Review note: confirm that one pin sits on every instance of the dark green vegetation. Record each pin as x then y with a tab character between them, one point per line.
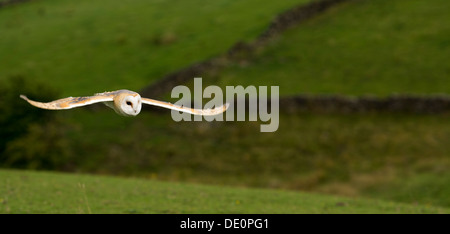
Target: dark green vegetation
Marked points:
59	193
360	47
29	137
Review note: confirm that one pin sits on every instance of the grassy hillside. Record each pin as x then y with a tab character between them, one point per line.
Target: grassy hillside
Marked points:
373	155
362	47
87	46
33	192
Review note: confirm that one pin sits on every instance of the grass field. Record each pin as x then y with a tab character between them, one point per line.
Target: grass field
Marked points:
38	192
86	47
374	47
401	157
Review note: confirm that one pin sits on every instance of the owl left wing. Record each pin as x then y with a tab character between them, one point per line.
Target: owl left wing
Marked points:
171	106
71	102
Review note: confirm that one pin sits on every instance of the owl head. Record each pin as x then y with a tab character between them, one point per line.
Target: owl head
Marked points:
128	104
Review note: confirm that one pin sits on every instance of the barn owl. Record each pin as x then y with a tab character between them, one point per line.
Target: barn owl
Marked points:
124	102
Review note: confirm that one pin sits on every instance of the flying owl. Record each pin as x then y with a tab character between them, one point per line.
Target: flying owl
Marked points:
124	102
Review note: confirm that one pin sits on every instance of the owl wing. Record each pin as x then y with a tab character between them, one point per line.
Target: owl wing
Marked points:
71	102
171	106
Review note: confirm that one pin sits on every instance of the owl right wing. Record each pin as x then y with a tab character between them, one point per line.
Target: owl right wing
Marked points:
171	106
71	102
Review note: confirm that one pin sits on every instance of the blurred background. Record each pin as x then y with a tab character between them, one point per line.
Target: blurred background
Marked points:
51	49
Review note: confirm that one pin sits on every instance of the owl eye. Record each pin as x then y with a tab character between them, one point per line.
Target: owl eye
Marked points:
129	103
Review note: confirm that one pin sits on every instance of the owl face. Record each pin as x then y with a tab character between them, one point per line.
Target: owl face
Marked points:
129	104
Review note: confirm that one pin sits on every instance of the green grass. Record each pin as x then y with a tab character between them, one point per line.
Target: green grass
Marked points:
431	189
39	192
351	155
377	47
86	47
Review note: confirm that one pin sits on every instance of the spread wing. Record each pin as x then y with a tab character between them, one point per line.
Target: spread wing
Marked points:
71	102
171	106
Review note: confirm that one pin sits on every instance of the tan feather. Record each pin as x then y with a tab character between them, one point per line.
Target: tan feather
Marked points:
70	102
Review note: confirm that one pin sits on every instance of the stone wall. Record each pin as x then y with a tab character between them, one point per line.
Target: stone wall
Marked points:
4	3
341	104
